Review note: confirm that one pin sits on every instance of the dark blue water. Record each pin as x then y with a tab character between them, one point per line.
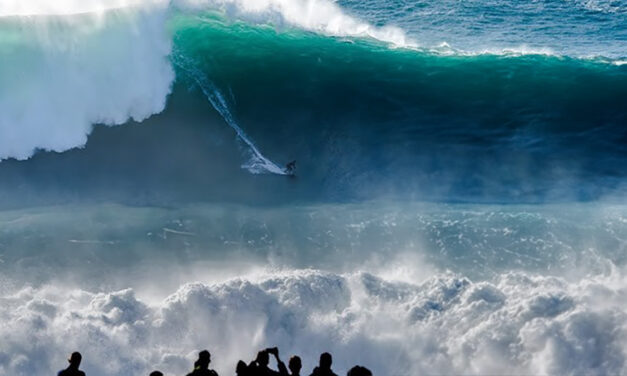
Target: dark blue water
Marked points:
571	28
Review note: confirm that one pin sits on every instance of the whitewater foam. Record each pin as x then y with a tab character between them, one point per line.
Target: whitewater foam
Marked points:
228	279
61	75
10	8
516	324
321	16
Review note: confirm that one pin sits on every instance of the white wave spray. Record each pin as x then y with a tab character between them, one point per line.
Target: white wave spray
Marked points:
385	302
515	324
59	75
320	16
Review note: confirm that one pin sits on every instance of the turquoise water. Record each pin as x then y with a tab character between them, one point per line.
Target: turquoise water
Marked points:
364	118
416	123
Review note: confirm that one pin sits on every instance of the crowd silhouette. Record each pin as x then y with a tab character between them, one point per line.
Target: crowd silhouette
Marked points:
257	367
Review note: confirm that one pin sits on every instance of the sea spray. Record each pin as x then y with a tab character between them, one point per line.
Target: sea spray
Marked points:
62	74
515	324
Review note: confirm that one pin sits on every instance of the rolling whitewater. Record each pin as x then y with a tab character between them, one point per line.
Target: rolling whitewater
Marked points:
457	207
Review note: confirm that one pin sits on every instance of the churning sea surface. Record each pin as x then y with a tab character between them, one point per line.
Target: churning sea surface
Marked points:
459	205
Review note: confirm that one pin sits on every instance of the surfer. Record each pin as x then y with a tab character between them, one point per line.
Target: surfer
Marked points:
290	168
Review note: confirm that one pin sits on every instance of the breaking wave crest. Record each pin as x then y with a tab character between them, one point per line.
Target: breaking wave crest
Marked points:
70	65
62	74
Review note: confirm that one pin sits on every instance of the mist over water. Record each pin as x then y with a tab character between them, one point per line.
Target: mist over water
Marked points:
458	205
379	283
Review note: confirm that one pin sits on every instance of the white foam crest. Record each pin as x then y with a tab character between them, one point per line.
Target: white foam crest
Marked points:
446	50
515	324
66	7
60	75
323	16
320	16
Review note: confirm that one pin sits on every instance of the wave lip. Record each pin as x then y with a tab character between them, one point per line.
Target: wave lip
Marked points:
320	16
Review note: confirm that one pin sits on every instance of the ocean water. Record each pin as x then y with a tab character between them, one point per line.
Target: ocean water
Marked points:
459	202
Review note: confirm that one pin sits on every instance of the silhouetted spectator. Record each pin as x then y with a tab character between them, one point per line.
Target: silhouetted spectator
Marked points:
359	371
259	366
156	373
201	366
72	369
241	369
294	365
324	368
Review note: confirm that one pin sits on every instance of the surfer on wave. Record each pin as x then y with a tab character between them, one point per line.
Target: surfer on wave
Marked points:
290	168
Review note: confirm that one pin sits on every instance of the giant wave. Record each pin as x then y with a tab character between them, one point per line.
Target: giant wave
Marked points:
69	68
363	117
75	64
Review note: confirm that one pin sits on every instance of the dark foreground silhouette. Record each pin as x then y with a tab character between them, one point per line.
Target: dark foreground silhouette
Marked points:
258	367
359	371
72	369
201	366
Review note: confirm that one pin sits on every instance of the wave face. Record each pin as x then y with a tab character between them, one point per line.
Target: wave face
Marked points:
365	110
403	121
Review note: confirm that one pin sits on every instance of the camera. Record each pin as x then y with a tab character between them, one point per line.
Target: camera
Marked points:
273	350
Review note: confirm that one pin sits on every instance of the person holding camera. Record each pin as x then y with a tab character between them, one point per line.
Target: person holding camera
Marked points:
259	366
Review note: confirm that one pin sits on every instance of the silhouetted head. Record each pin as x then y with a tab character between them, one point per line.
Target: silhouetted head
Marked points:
295	365
75	359
262	358
326	360
241	368
359	371
204	358
156	373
